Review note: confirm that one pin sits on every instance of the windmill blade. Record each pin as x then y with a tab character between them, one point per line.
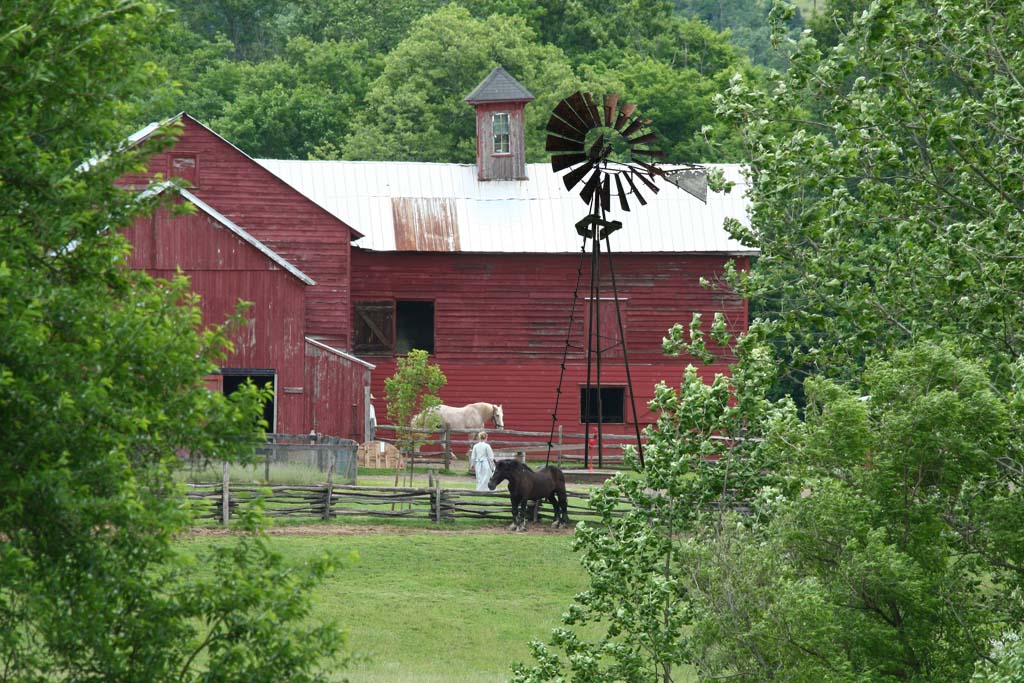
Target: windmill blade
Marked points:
649	153
606	194
572	177
560	162
649	183
578	105
643	139
591	186
623	203
597	150
633	188
635	125
555	143
611	104
566	130
568	109
651	170
624	113
595	115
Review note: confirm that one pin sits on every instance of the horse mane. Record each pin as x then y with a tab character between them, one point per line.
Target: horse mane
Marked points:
514	464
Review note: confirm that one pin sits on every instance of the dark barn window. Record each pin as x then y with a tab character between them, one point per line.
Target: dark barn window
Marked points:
613	404
414	326
236	377
392	327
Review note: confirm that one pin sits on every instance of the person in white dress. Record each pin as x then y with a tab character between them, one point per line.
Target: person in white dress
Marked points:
482	459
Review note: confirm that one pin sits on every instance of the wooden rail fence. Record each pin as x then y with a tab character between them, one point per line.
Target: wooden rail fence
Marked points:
567	448
327	501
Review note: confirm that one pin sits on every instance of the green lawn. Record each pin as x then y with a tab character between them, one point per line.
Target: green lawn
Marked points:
440	607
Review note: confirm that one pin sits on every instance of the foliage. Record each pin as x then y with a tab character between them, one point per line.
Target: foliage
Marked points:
870	541
101	387
411	391
368	80
699	462
747	24
893	213
415	110
289	103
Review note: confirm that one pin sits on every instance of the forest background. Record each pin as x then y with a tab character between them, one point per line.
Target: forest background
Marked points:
361	79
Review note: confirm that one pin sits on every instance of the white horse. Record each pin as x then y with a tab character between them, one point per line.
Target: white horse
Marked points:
472	416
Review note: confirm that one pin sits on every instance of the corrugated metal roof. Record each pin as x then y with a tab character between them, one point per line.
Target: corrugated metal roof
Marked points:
499	86
536	215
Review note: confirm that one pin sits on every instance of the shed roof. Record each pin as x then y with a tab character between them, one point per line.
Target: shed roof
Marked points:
414	206
233	227
499	86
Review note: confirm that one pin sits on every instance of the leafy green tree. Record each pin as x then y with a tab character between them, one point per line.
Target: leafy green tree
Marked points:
746	23
415	111
702	459
865	564
893	214
412	391
102	394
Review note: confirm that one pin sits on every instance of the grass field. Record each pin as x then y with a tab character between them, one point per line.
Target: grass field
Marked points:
429	607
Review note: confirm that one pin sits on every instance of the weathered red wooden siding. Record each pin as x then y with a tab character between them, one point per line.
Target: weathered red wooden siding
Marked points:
223	269
501	321
286	221
511	166
335	385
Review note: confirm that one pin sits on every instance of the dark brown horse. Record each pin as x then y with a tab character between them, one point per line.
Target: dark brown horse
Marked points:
525	485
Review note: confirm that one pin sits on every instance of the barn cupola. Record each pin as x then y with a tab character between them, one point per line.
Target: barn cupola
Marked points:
499	101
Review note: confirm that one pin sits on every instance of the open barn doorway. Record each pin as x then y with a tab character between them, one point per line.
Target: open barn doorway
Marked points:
236	377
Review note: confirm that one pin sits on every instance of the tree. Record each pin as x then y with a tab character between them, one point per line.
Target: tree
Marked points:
864	542
891	213
415	110
412	391
101	389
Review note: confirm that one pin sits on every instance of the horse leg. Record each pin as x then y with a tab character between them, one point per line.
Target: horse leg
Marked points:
522	515
557	510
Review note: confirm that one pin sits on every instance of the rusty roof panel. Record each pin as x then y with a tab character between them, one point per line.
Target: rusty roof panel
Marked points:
425	224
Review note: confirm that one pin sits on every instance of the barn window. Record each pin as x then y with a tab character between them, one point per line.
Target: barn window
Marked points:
414	326
613	404
392	327
236	377
186	167
501	130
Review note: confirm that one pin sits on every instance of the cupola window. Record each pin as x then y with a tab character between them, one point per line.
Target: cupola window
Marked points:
501	130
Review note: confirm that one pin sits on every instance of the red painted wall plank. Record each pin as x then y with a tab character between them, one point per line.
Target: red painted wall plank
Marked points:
501	324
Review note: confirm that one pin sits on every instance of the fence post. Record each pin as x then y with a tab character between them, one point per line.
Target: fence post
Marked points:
225	490
447	439
330	492
559	461
266	465
437	500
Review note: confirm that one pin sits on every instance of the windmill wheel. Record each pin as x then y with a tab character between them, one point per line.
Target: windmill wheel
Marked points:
609	142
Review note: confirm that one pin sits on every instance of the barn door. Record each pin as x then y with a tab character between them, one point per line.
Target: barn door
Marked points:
373	327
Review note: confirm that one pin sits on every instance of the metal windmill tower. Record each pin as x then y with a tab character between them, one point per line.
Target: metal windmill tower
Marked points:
609	148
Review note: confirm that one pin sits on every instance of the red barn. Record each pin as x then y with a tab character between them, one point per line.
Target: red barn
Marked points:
478	264
252	237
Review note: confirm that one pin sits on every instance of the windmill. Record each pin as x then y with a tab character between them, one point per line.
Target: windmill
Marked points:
608	150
